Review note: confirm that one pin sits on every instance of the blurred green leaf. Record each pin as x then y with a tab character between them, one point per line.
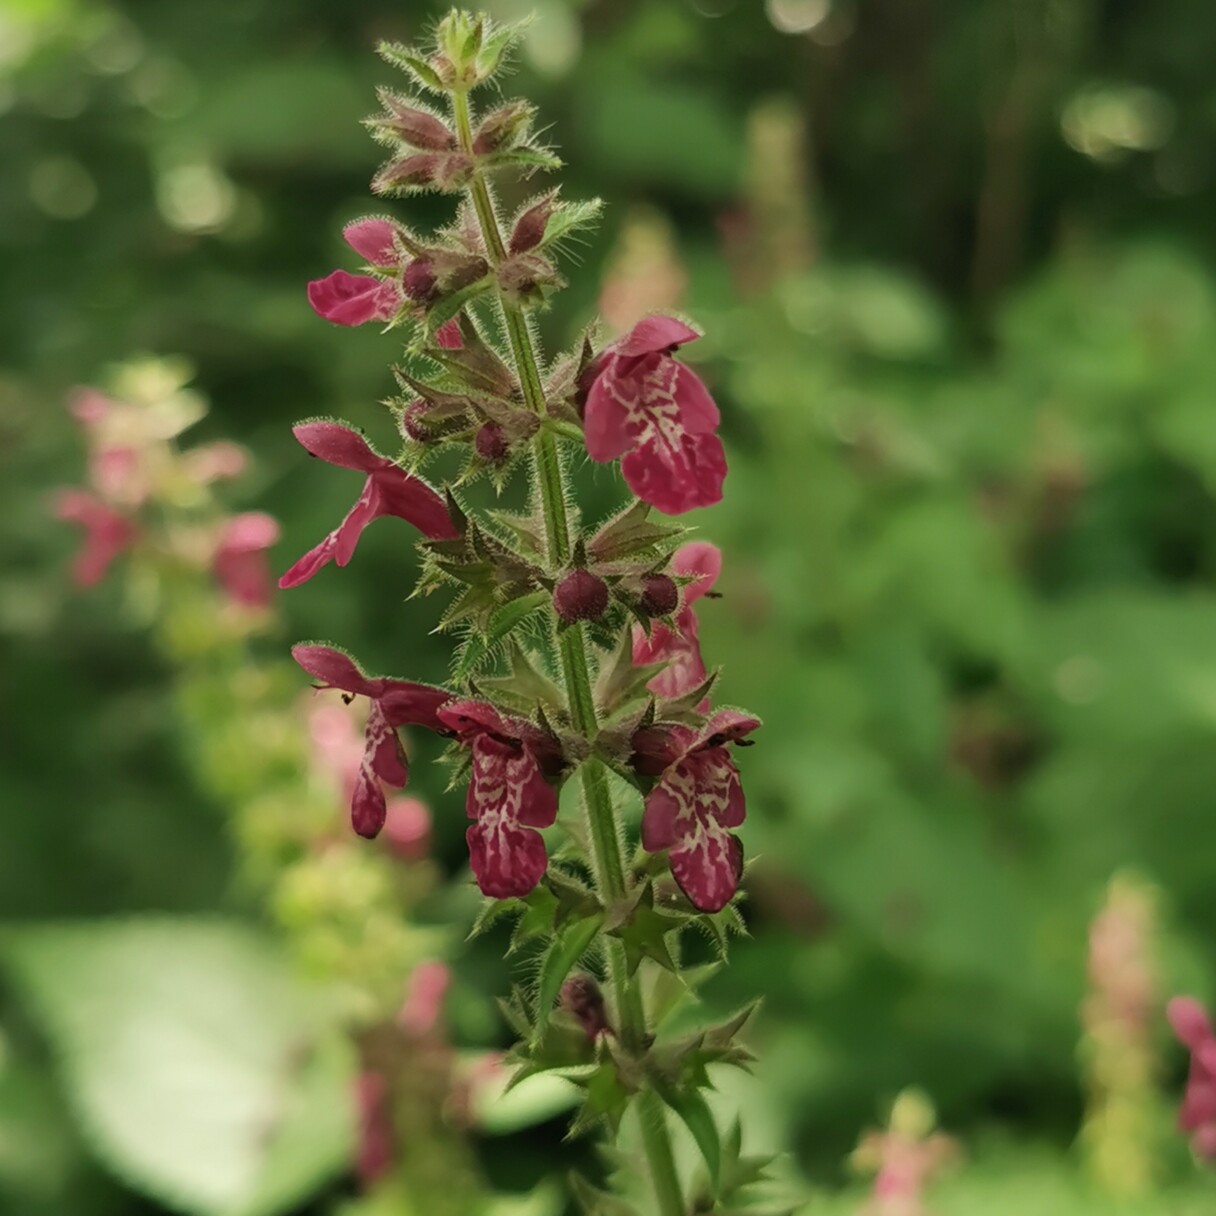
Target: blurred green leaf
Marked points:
201	1070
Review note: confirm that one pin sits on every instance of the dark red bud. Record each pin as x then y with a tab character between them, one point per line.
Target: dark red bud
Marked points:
502	127
491	443
418	280
417	127
580	596
417	170
660	595
529	229
580	995
413	422
452	172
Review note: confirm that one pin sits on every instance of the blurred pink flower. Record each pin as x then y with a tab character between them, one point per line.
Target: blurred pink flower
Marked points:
107	533
407	828
374	1138
219	461
425	993
117	473
240	564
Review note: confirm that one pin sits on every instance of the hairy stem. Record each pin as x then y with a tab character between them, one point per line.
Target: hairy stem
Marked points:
607	859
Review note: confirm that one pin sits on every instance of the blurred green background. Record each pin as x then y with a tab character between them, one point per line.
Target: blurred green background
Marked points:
954	260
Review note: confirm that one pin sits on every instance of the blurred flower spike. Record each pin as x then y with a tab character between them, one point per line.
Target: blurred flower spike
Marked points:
152	499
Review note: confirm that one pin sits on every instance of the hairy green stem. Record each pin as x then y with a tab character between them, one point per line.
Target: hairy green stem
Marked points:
607	859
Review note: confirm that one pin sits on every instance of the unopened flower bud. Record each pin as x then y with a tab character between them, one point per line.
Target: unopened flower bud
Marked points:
526	276
416	170
529	229
491	443
660	595
413	422
580	996
416	127
502	128
580	596
418	280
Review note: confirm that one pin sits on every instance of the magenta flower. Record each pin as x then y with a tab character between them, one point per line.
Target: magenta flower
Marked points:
355	299
508	796
373	239
655	411
394	703
1198	1114
681	649
239	562
389	490
107	533
697	800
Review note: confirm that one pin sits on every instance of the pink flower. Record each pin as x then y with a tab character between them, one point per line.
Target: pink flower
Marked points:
407	830
655	411
697	800
355	299
1198	1114
90	406
680	650
119	474
425	993
239	562
106	533
508	796
389	490
394	703
217	461
373	240
374	1138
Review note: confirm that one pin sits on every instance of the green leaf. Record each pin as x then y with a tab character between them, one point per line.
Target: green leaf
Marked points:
539	912
501	1110
569	945
445	309
630	532
568	218
408	60
605	1101
496	45
643	930
594	1202
201	1070
491	911
502	622
692	1108
527	159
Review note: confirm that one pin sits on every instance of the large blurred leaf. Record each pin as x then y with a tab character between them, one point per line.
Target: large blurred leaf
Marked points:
201	1071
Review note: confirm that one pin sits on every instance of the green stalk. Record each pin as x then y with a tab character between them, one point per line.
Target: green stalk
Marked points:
607	859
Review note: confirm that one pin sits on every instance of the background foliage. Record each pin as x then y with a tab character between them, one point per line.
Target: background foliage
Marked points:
962	325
